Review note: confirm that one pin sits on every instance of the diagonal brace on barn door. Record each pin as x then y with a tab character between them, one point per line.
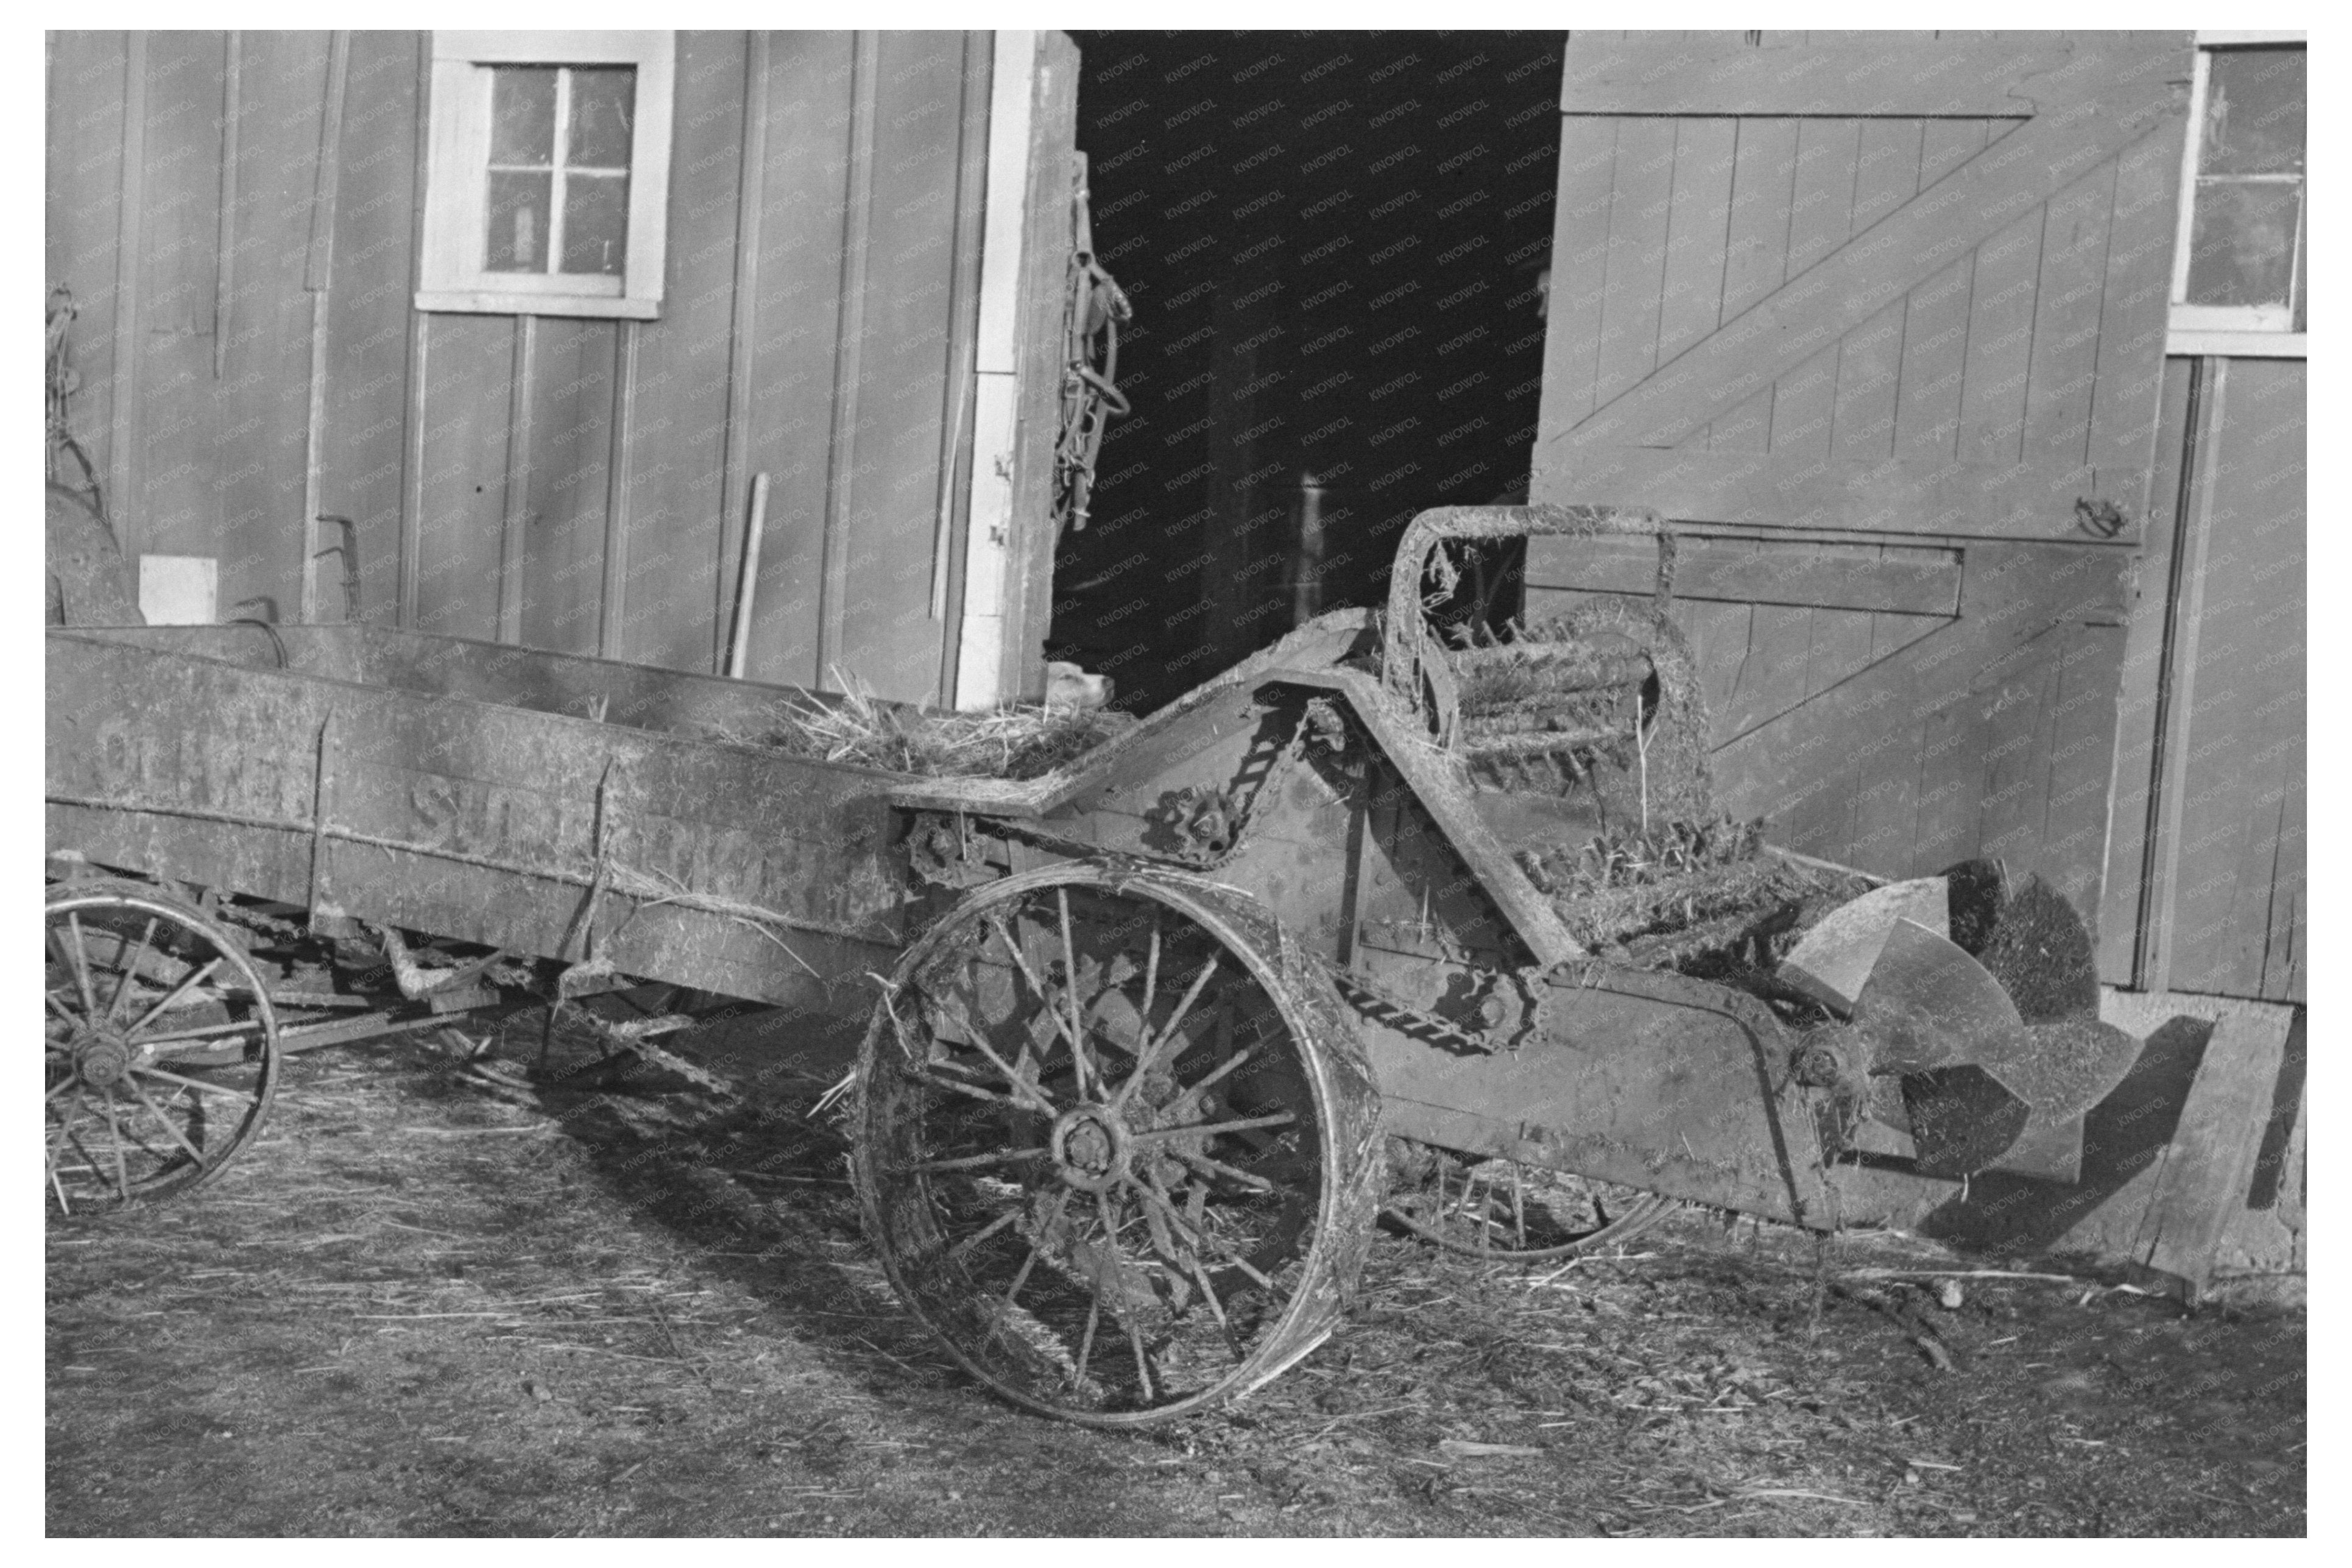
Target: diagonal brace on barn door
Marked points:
2103	102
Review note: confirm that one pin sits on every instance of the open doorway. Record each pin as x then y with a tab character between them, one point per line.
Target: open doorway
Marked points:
1333	242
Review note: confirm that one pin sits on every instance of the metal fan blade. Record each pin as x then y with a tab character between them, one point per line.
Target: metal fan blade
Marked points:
1834	962
1929	1005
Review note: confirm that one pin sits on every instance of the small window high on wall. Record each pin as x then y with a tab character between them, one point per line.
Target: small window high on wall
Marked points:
2239	275
548	172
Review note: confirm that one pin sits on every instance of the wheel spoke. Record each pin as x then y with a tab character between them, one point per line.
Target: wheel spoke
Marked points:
991	1228
187	983
1036	1244
122	985
72	1019
978	1162
1192	1097
1146	1056
1087	1341
1162	1134
957	1086
1020	962
1076	1030
206	1032
114	1135
1134	1332
169	1125
78	962
1218	1168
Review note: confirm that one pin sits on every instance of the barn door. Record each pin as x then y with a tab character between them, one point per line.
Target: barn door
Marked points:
1878	321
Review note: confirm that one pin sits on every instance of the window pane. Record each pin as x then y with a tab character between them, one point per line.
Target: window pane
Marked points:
604	112
2253	112
518	226
595	222
2241	247
522	115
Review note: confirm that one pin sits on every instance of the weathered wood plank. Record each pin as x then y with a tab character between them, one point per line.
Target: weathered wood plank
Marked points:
2000	343
1918	580
1909	74
1691	295
1869	376
1638	210
2234	741
85	141
887	634
1580	266
1771	677
264	390
799	304
362	446
1935	364
1763	186
679	485
2066	300
566	487
2132	312
179	225
469	371
2202	1180
1044	261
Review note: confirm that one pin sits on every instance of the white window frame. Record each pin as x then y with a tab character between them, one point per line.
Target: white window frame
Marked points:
456	191
2246	332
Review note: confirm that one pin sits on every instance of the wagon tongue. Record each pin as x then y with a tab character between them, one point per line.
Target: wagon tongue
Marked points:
1981	1087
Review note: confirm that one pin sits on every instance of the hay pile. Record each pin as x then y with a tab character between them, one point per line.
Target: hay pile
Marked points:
1017	743
1703	899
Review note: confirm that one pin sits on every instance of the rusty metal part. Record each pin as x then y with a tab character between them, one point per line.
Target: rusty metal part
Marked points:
162	1049
1413	665
1116	1144
1504	1211
943	851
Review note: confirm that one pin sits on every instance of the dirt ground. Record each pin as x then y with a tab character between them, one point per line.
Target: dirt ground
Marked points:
431	1303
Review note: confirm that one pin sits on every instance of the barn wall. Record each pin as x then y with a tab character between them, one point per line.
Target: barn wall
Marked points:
573	485
1864	316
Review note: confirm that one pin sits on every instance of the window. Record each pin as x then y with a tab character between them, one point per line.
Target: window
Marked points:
548	173
2239	267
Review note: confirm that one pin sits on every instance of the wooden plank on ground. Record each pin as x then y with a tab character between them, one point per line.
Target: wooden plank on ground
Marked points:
2202	1180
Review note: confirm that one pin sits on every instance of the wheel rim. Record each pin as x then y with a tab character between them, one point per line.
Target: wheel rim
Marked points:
160	1046
1508	1210
1159	1220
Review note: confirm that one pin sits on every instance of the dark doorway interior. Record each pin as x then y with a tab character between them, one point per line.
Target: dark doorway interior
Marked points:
1332	241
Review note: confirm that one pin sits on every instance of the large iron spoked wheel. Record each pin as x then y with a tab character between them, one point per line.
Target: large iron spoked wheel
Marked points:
160	1047
1115	1143
1507	1211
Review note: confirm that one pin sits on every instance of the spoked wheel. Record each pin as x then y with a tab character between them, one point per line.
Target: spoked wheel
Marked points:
1505	1210
1115	1146
161	1046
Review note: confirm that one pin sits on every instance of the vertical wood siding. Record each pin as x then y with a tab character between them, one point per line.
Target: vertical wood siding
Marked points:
1831	295
2206	869
603	465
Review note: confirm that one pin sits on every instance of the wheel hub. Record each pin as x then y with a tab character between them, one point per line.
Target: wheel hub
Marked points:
1090	1146
103	1059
